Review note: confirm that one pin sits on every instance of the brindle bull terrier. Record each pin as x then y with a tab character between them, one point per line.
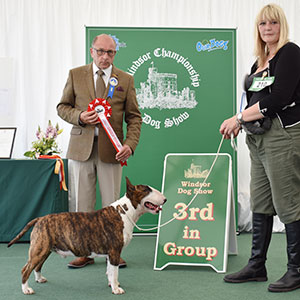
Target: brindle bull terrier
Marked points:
101	233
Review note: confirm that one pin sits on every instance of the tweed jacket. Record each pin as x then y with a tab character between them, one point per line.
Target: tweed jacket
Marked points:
78	92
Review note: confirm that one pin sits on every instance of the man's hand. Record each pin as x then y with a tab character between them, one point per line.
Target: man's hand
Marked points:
89	117
124	153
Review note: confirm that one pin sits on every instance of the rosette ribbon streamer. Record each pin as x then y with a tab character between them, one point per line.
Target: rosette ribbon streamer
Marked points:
58	169
103	109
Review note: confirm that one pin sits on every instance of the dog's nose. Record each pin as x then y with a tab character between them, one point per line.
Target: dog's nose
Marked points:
165	201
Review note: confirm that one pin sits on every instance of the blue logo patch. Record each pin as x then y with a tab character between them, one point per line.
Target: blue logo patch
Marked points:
118	43
213	44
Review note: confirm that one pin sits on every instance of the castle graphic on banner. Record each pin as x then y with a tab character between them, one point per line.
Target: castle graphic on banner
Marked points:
160	91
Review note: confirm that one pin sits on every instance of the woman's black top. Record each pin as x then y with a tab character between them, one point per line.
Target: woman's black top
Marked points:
284	99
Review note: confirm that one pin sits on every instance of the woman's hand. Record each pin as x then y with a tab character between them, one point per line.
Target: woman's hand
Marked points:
230	127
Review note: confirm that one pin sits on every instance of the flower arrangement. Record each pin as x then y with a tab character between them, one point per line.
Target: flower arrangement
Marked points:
46	144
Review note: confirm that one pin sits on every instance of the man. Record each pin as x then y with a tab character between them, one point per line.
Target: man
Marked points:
90	151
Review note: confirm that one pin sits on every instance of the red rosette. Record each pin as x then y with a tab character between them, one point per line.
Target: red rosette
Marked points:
100	106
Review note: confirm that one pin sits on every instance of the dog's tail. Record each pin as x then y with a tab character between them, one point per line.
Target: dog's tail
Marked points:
24	230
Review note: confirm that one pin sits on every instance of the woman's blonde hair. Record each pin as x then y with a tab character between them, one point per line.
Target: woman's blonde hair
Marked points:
270	12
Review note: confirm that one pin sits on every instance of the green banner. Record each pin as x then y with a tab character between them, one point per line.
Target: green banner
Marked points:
198	188
185	81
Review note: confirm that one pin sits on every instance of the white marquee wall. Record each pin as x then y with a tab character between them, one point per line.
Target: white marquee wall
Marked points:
40	40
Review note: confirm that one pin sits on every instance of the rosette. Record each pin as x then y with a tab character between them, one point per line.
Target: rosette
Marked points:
101	106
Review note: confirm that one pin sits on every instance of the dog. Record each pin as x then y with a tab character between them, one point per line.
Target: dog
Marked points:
104	232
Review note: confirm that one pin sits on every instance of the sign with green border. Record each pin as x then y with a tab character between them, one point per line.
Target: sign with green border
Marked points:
198	188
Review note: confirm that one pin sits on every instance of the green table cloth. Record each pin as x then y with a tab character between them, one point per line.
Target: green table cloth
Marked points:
28	189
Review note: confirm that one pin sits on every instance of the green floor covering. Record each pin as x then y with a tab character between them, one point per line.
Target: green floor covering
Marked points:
139	279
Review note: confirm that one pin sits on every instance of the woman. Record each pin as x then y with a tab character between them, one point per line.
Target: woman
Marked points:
272	123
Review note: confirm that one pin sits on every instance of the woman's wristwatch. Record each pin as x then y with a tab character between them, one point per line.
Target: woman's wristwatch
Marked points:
239	119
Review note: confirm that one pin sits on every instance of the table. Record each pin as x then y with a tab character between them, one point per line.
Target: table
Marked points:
28	189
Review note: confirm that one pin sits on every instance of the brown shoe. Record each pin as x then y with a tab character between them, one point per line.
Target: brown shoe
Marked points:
122	263
80	262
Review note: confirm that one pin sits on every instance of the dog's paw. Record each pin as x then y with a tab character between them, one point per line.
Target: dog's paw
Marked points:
41	280
27	291
118	291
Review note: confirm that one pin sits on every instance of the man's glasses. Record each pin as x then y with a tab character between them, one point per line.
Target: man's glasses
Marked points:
101	52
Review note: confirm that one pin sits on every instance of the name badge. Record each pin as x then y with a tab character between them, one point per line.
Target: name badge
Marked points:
259	83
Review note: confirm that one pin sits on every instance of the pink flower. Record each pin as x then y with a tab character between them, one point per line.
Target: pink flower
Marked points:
51	132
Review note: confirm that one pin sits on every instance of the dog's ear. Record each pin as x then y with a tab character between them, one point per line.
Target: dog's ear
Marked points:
129	187
128	183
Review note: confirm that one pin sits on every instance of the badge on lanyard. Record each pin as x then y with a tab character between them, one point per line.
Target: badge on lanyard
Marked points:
113	82
259	83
